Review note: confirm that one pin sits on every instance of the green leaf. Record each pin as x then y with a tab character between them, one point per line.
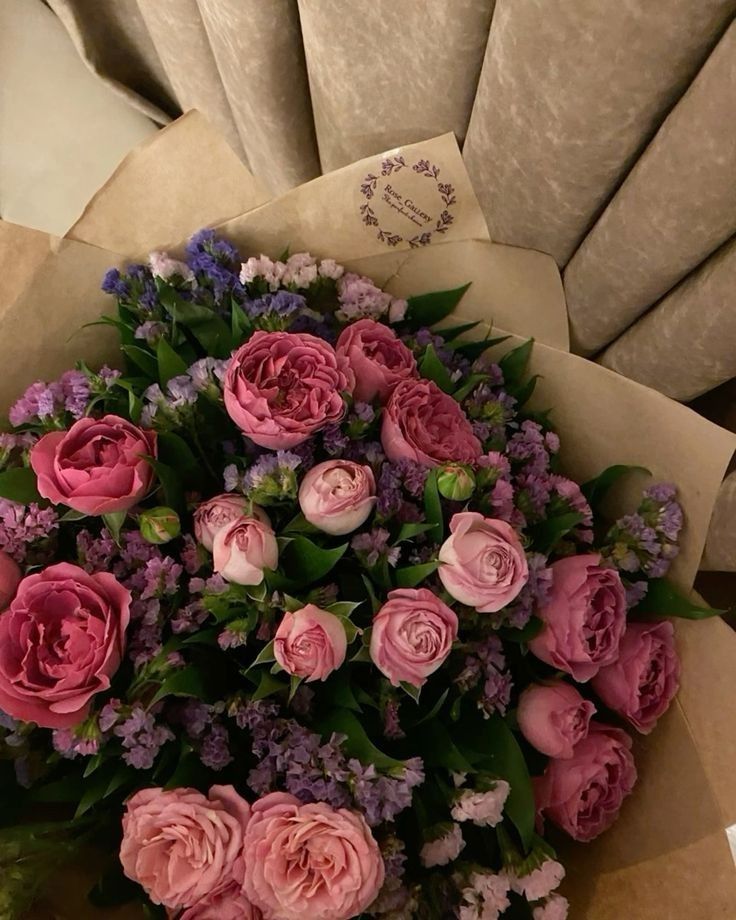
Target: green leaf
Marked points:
514	362
357	743
411	690
303	562
450	333
94	790
184	682
525	634
294	684
548	533
265	656
19	485
169	363
92	764
595	490
433	507
71	515
209	329
413	575
299	524
351	630
114	522
409	531
434	710
267	686
432	368
522	393
113	889
170	483
470	384
663	599
473	350
439	750
174	451
239	323
119	778
428	309
190	771
142	359
344	608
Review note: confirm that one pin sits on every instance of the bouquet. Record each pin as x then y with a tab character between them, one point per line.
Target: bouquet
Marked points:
302	615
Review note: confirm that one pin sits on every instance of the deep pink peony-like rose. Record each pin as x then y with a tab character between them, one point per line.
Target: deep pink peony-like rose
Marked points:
310	643
97	467
61	640
483	563
337	496
583	795
183	847
584	618
309	862
642	683
281	387
10	576
412	635
423	424
244	549
214	514
378	358
554	718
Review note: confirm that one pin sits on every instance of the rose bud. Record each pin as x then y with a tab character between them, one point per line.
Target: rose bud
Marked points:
554	718
643	681
456	482
244	549
10	576
310	643
483	563
159	525
337	496
211	516
378	358
584	617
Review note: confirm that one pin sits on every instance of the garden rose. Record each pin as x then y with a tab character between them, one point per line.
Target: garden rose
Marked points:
281	387
211	516
10	576
423	424
584	617
378	357
337	496
642	683
554	718
244	549
483	563
309	861
583	795
183	847
412	635
228	903
61	640
310	643
98	466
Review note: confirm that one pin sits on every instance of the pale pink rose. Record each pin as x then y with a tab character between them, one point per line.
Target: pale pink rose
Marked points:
164	267
378	357
583	795
642	683
183	847
214	514
337	496
244	549
540	882
229	903
483	562
554	718
554	908
281	387
10	576
482	808
309	861
423	424
412	635
443	849
61	641
310	643
98	466
584	617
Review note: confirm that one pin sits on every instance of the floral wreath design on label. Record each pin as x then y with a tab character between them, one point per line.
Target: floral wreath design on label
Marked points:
391	166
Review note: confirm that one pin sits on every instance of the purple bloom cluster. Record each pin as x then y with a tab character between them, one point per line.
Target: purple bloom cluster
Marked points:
395	482
485	670
274	311
533	595
372	547
202	725
42	402
26	529
141	735
215	262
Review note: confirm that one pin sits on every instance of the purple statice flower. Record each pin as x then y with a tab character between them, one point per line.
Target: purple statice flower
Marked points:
391	723
151	331
314	325
276	309
635	592
533	595
188	618
232	479
215	584
75	390
529	446
234	635
485	671
110	714
272	478
145	637
215	262
114	283
161	577
214	751
40	401
306	453
368	452
394	897
388	490
494	409
194	715
571	493
334	440
96	553
207	375
142	737
359	298
364	412
190	555
70	743
9	443
372	547
25	527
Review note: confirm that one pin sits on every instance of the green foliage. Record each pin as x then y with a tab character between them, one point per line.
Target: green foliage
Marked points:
428	309
663	599
19	485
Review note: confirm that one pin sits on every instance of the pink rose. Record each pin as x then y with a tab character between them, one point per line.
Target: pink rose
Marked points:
211	516
585	617
378	357
583	795
244	548
97	467
337	496
412	635
10	576
642	683
310	643
554	718
229	903
483	562
281	387
183	847
423	424
309	862
61	640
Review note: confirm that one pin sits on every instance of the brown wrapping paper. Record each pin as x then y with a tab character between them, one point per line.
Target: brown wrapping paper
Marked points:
720	546
668	857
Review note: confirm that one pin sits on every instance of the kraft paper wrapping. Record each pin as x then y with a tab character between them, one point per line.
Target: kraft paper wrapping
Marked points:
685	345
568	95
648	239
720	546
668	856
